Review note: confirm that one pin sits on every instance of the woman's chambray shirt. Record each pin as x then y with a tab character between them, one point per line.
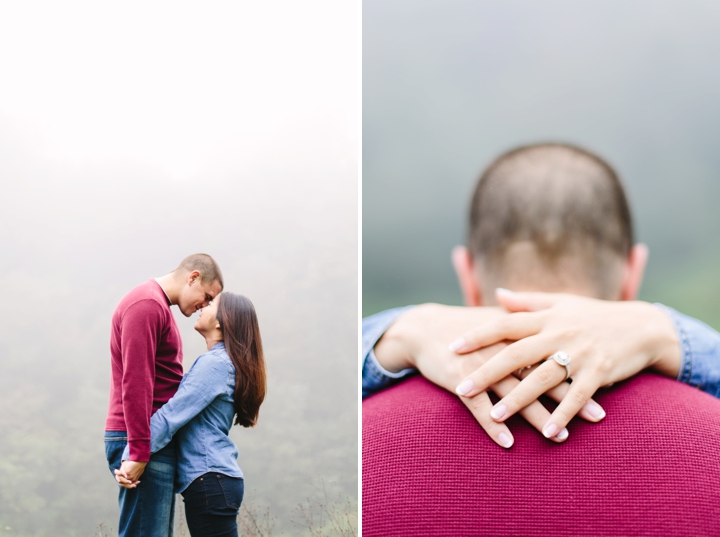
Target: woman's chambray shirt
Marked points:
699	347
200	415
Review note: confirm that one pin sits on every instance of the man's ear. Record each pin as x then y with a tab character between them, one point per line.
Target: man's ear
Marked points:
193	277
634	271
465	269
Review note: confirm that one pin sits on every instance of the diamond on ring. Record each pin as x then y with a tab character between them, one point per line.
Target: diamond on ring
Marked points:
563	359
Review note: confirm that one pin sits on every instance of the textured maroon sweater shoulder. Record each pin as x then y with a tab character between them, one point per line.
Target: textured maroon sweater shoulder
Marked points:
651	467
146	352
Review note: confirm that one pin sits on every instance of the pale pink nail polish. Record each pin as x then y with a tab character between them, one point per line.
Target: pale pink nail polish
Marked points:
464	387
550	430
457	344
562	435
505	440
595	410
498	411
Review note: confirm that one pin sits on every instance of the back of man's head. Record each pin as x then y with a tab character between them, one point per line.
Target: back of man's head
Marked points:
207	267
550	216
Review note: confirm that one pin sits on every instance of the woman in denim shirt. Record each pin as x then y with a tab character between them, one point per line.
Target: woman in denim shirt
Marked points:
225	383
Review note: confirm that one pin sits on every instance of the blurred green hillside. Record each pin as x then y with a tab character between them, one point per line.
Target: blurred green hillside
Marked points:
693	289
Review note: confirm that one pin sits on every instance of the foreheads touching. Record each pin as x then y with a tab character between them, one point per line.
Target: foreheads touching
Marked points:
551	217
201	281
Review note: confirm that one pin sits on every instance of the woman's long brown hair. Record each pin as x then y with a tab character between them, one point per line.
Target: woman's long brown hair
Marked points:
241	335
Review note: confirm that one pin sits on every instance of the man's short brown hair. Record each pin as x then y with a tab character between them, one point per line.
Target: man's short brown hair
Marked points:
205	265
561	202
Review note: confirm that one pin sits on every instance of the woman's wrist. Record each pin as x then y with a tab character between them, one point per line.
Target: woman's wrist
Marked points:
662	341
411	335
392	349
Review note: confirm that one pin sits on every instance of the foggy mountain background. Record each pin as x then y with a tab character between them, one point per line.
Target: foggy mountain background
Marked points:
447	86
128	142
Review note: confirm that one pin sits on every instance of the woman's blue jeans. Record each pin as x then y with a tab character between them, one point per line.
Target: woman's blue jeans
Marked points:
212	502
149	509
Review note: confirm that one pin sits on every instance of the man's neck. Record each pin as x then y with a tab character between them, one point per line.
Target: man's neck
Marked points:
170	287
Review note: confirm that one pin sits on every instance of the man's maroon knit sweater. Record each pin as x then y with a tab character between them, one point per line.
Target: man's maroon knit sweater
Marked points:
147	367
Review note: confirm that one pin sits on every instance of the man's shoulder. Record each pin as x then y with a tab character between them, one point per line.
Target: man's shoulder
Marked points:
146	298
656	448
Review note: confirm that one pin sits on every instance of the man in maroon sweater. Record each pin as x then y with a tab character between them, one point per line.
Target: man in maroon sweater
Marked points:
146	351
546	217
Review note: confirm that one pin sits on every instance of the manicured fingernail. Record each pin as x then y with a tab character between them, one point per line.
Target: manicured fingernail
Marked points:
505	440
503	291
550	430
464	387
498	411
457	344
562	435
595	410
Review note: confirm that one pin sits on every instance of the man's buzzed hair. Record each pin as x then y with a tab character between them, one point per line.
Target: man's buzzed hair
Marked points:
553	213
205	265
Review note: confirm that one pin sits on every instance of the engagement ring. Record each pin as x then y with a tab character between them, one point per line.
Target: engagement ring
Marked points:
563	359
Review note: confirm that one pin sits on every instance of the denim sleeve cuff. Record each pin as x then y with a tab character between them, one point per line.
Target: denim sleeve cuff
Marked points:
699	352
685	353
374	376
126	454
372	363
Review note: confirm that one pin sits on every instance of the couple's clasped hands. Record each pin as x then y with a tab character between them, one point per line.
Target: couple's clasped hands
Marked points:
506	354
128	476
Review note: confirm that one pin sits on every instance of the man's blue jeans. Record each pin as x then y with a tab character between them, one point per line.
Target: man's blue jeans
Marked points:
149	509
